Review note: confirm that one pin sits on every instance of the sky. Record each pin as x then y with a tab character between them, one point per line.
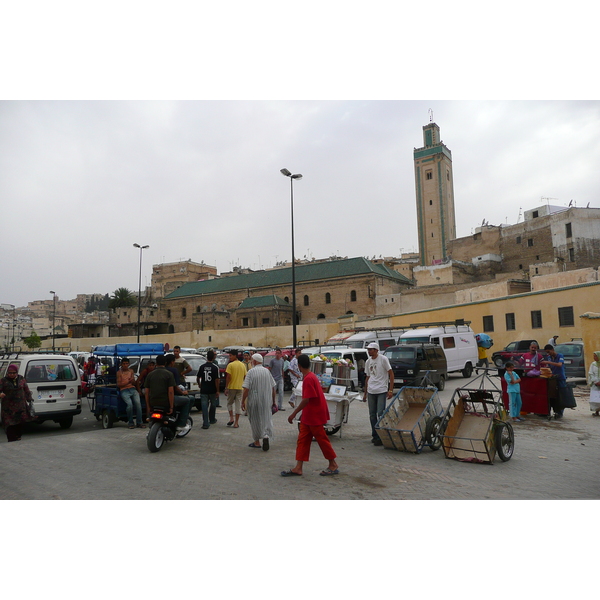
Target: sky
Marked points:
201	180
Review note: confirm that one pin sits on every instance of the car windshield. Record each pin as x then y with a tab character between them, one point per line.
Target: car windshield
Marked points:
223	360
195	362
569	349
54	370
331	355
406	355
415	340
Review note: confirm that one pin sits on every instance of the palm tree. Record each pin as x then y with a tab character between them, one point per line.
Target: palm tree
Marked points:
122	297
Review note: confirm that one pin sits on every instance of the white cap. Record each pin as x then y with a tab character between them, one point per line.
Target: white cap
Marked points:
257	358
373	345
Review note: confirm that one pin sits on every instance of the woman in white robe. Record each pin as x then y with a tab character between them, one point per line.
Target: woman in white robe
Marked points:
594	382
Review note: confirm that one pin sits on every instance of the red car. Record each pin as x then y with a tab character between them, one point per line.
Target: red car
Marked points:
513	352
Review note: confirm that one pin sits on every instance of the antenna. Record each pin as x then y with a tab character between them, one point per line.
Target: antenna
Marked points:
430	111
520	214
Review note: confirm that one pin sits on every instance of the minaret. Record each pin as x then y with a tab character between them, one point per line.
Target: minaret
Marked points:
435	197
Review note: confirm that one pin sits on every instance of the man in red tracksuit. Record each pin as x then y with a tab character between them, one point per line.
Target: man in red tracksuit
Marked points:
315	415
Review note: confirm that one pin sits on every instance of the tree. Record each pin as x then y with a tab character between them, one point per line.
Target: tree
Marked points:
33	341
122	297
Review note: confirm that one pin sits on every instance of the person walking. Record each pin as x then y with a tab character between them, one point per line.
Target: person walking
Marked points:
234	378
556	362
379	386
15	400
315	415
552	340
513	389
594	383
208	382
127	387
295	375
258	397
276	368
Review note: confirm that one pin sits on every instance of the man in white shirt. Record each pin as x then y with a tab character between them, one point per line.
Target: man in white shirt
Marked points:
379	387
552	340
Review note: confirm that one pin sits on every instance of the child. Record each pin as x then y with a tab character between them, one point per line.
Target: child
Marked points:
514	391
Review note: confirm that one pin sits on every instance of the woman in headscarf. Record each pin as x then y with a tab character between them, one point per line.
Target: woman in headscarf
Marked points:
15	397
594	382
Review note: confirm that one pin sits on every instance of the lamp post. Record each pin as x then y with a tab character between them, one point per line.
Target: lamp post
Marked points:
292	177
53	318
142	248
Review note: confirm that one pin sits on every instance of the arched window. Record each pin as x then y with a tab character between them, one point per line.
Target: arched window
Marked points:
287	299
349	312
305	300
197	308
320	316
353	296
327	298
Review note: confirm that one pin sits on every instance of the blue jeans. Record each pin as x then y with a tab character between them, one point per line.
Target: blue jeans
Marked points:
515	403
376	407
182	404
279	389
208	412
131	397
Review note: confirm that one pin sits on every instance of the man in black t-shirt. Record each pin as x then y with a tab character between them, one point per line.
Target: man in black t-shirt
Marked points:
208	382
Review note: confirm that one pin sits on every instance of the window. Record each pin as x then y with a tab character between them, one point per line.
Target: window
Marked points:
287	299
565	316
125	314
536	319
518	239
568	230
520	267
327	298
265	321
305	300
488	323
168	313
428	174
535	214
448	175
530	242
431	203
448	342
244	321
320	316
510	322
184	312
353	296
197	309
572	254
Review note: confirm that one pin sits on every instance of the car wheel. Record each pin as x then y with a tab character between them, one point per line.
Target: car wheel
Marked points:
66	422
441	384
467	371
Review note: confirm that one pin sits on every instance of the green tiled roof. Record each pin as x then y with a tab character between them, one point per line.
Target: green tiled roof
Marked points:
304	273
262	301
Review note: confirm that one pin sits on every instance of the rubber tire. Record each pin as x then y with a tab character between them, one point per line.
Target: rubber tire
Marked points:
155	438
107	419
188	427
467	371
499	362
433	431
66	422
98	417
441	385
505	442
333	430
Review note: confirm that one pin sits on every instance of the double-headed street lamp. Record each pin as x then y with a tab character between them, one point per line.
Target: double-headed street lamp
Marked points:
292	177
53	319
142	248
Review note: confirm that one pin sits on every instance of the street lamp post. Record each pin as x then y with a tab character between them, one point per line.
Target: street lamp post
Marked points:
53	319
142	248
292	177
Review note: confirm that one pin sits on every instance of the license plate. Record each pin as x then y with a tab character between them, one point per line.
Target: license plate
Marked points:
400	380
568	362
50	394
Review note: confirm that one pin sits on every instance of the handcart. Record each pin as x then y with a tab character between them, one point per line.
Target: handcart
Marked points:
412	420
538	394
476	426
107	405
338	403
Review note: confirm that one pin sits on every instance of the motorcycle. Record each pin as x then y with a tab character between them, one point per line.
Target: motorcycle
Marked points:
163	428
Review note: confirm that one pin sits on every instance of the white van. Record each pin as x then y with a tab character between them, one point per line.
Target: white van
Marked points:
54	382
385	338
457	341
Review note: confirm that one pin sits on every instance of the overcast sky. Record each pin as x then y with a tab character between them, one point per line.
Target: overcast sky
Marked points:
200	180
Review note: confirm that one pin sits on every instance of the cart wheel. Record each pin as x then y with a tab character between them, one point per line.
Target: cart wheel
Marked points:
433	433
504	436
107	419
332	430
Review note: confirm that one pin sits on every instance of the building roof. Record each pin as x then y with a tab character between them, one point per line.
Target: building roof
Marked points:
262	301
350	267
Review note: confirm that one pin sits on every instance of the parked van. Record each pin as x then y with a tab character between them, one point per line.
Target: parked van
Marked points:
384	337
457	341
357	357
55	385
411	362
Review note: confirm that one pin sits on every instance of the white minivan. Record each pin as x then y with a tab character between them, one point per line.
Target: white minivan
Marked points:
385	338
457	341
54	382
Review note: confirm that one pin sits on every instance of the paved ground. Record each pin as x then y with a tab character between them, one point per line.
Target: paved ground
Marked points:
552	460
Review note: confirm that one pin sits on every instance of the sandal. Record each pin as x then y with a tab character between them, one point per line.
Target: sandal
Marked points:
131	426
327	472
290	473
253	445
